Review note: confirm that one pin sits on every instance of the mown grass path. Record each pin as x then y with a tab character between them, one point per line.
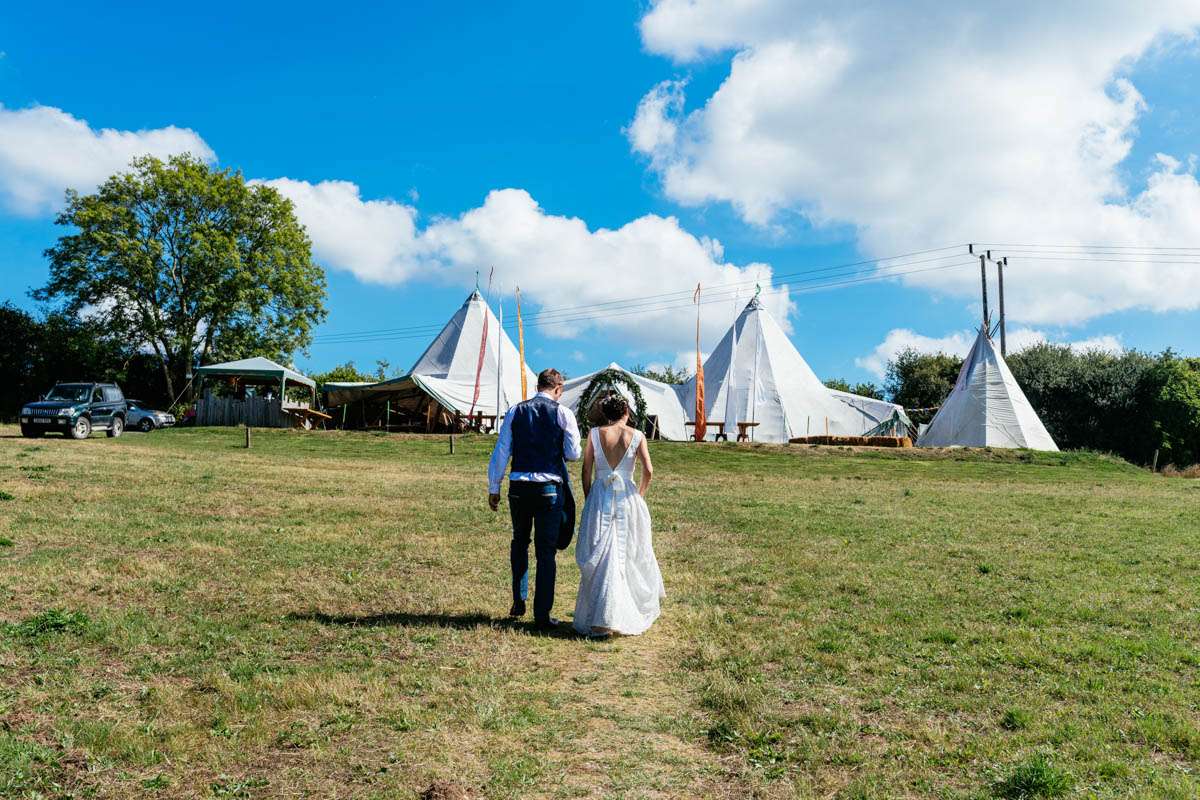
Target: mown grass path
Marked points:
322	615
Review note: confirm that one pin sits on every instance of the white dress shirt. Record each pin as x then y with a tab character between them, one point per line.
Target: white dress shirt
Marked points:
500	456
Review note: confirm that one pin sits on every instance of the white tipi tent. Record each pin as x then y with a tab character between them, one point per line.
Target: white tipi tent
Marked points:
446	371
986	408
756	374
662	400
448	366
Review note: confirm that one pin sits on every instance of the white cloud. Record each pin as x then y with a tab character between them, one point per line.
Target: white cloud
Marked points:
557	261
44	151
958	343
377	240
924	125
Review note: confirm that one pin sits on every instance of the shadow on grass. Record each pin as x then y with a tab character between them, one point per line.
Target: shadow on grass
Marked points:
404	619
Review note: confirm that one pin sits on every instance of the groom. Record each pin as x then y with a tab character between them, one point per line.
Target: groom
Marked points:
538	434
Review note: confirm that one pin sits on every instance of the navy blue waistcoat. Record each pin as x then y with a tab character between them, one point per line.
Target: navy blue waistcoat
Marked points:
537	438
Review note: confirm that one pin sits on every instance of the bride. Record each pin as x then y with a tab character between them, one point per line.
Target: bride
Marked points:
619	583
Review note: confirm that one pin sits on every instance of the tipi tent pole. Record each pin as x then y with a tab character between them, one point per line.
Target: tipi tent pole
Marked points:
754	384
1000	271
499	352
731	376
983	277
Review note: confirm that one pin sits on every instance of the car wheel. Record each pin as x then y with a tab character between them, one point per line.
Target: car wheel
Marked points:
116	428
146	425
82	429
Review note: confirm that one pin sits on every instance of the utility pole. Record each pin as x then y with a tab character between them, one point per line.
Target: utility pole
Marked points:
1000	265
983	278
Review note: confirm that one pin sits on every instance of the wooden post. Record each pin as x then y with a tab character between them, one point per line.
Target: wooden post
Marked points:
452	443
247	437
1154	466
983	277
1000	265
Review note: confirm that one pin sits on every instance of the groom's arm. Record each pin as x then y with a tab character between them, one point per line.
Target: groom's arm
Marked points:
570	427
499	463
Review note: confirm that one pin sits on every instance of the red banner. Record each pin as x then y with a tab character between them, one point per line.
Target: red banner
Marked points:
701	421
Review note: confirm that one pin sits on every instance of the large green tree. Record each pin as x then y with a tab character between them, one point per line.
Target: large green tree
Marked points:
188	261
921	380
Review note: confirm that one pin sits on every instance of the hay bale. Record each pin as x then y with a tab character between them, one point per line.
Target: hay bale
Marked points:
905	442
883	441
856	441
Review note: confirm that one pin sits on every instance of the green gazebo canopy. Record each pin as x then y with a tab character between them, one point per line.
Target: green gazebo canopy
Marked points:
257	370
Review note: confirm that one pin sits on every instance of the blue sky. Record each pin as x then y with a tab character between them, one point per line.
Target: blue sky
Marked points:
426	110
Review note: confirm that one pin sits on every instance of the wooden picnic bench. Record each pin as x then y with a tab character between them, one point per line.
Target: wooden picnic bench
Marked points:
744	430
308	418
479	422
718	424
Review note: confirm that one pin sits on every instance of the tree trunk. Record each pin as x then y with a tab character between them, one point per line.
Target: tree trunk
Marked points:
166	370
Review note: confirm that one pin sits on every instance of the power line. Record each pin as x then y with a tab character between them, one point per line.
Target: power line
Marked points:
671	305
1085	246
794	282
725	290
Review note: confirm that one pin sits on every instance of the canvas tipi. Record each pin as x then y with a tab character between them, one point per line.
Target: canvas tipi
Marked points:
448	366
755	374
986	407
446	371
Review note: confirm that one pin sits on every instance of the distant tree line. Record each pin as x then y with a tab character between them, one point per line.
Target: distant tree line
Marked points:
1128	403
37	351
864	389
668	374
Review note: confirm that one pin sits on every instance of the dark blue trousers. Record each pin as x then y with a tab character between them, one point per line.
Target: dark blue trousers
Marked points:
536	508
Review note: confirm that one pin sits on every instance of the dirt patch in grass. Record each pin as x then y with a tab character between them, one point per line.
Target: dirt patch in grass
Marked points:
444	790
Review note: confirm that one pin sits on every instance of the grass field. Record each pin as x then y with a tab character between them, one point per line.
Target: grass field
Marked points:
323	615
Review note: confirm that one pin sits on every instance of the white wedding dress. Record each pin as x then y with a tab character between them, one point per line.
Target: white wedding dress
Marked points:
619	581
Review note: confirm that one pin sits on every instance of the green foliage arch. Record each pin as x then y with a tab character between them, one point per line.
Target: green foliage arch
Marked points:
605	379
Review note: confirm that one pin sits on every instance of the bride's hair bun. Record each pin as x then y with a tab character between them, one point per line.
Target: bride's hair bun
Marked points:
614	407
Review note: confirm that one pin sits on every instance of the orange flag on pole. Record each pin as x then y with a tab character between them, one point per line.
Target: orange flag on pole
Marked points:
521	339
701	422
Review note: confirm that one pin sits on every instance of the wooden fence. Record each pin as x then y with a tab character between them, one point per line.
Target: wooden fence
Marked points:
253	412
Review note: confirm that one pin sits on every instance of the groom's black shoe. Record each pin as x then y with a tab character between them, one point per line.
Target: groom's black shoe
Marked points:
518	609
545	625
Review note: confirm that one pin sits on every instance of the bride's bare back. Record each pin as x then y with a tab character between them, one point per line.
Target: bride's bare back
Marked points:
614	440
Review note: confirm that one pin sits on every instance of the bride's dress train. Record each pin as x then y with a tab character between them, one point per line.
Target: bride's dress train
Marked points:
619	583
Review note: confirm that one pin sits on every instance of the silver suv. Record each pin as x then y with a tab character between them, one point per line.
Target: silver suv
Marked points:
146	419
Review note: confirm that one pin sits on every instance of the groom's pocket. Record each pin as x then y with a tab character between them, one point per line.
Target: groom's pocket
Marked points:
548	497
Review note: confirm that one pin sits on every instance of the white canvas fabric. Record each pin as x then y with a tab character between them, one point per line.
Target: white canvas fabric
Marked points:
873	411
447	367
986	408
662	400
755	374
